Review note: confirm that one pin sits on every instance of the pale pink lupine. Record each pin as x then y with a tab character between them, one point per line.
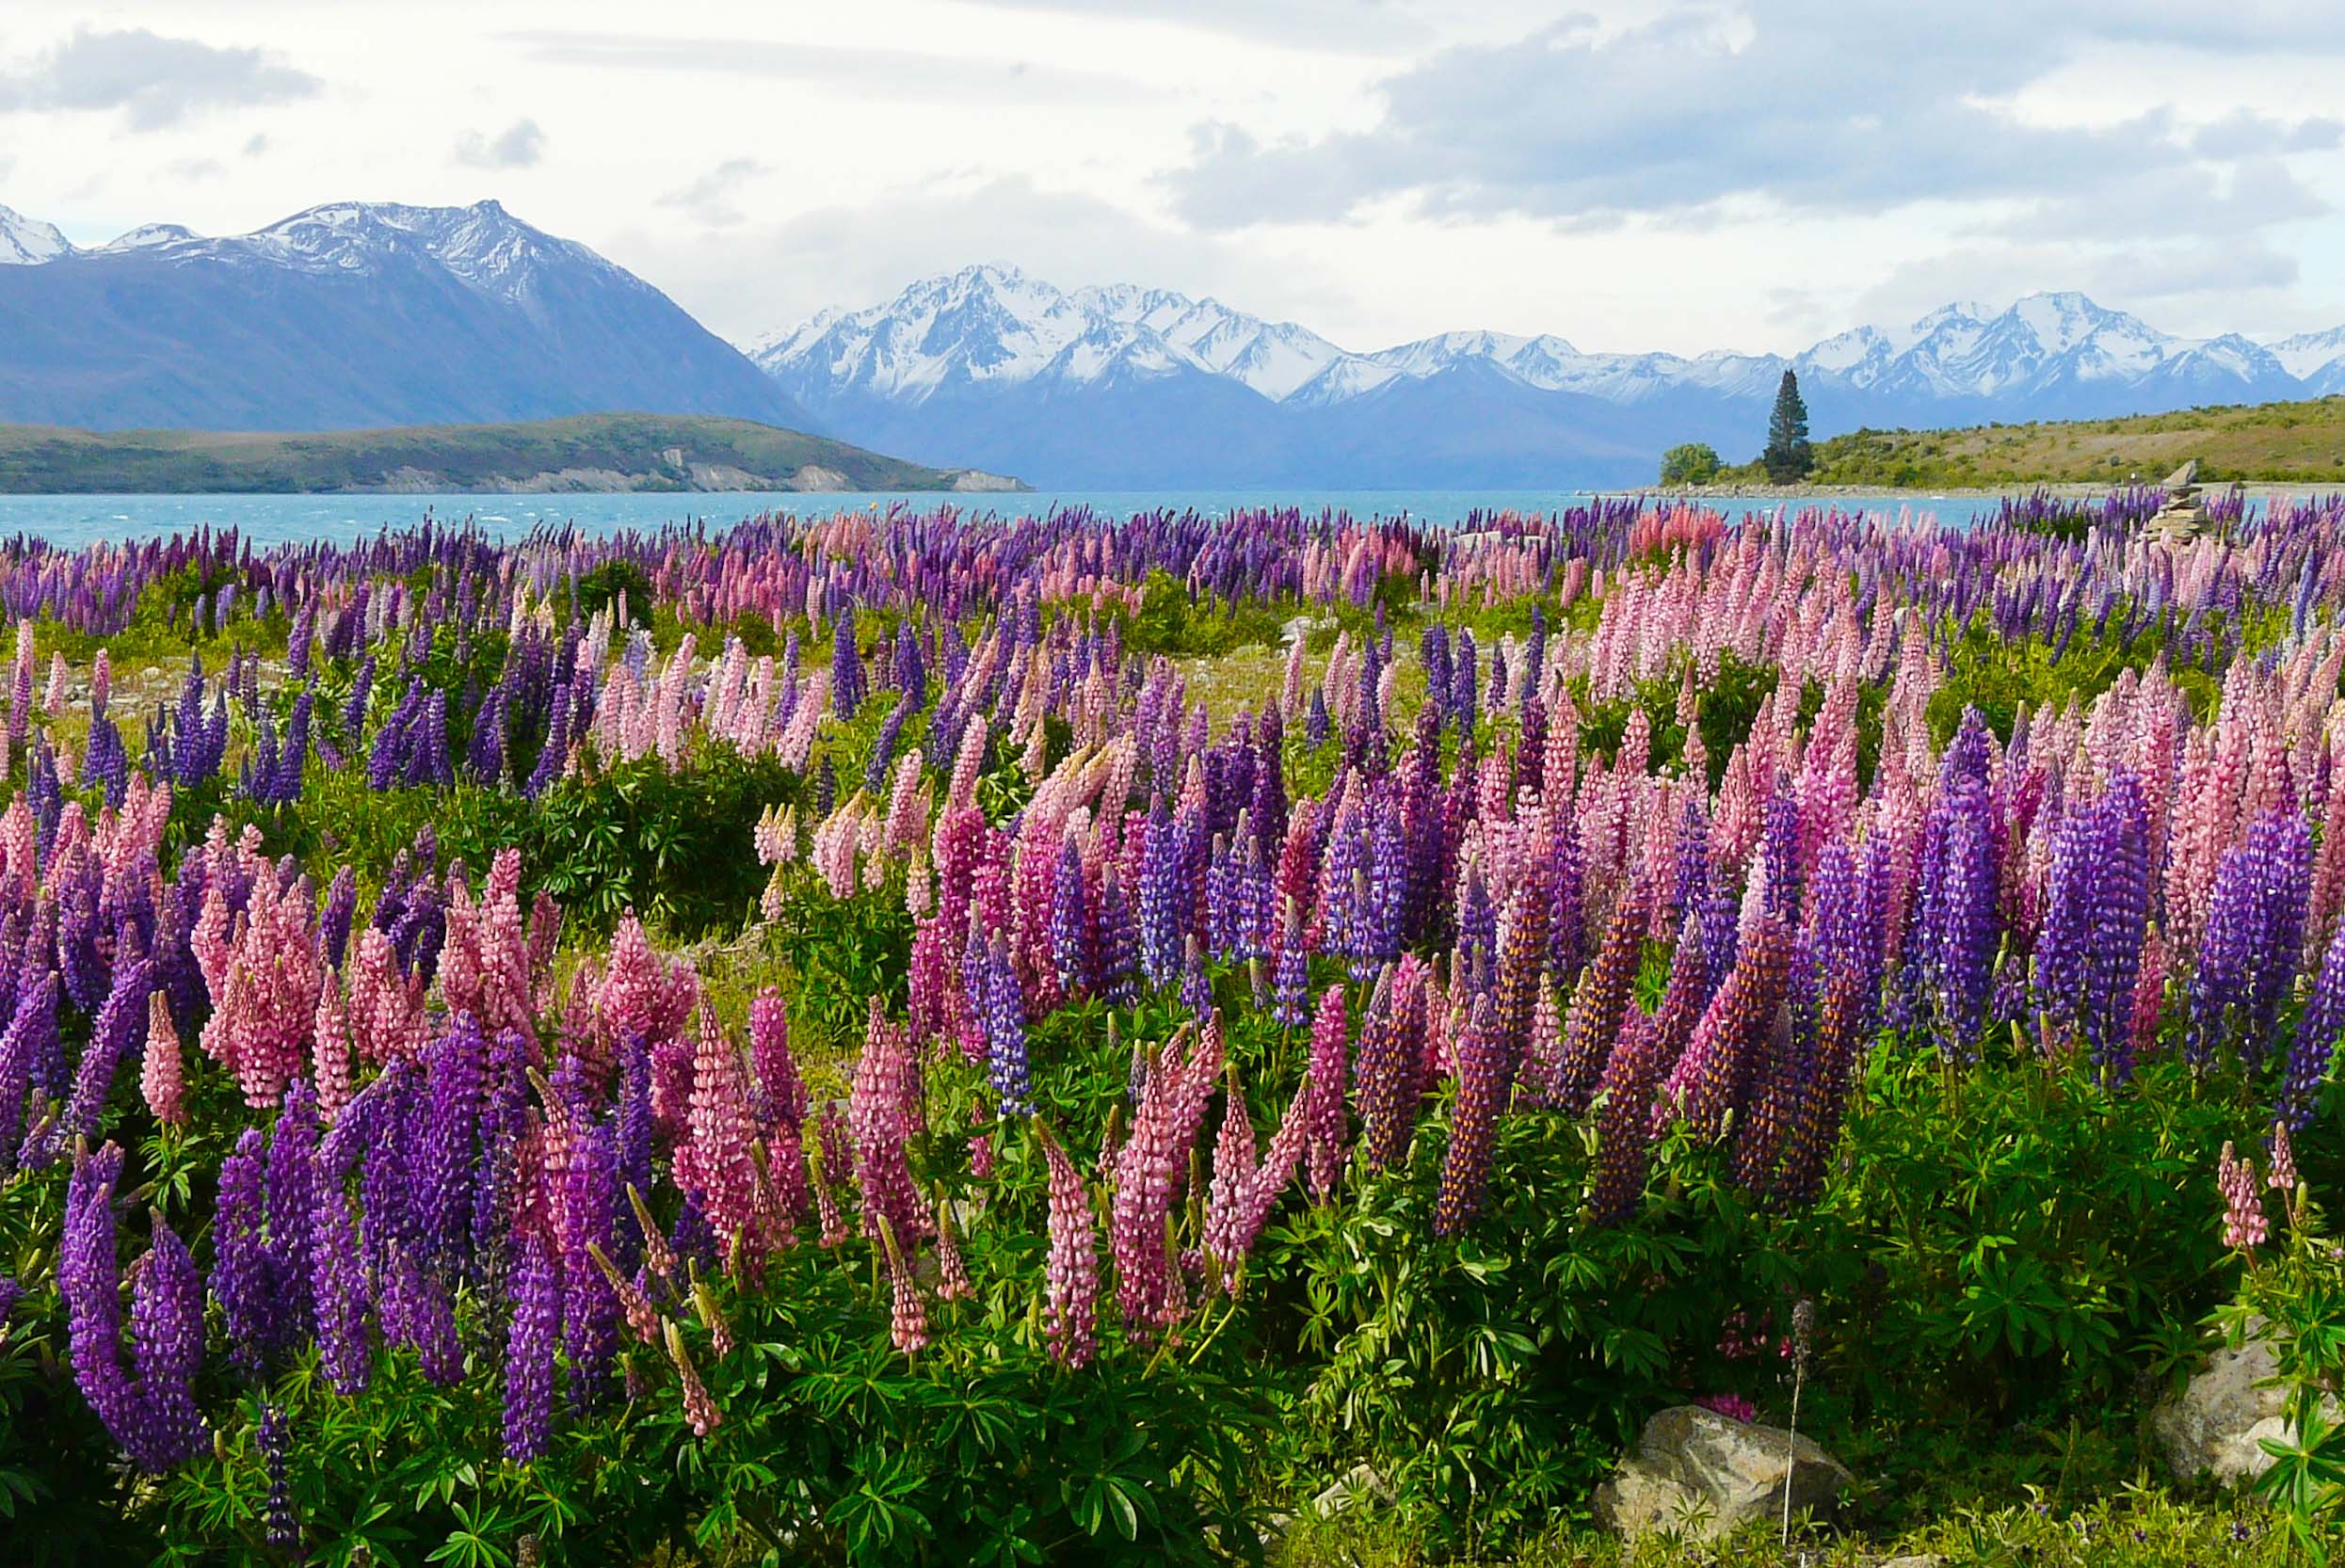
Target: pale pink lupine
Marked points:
2245	1227
260	967
159	1074
386	1013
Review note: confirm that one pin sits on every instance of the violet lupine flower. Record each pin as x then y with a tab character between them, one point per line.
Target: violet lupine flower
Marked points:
24	1046
1070	923
1483	1085
239	1262
2309	1058
529	1346
846	668
2255	930
1071	1276
333	921
113	1035
151	1415
1956	929
591	1308
2245	1227
2096	914
284	1524
1002	1008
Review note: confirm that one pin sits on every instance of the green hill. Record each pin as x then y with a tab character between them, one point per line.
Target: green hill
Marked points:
2281	443
583	452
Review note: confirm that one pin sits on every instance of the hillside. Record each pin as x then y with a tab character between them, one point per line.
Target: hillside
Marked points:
350	316
585	453
2281	443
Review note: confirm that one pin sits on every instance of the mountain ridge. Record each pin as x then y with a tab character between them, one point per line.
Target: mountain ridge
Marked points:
347	315
973	356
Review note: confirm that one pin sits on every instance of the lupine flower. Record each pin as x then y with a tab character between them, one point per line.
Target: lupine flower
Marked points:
2283	1178
2245	1228
701	1411
529	1349
150	1411
1071	1276
1483	1086
284	1524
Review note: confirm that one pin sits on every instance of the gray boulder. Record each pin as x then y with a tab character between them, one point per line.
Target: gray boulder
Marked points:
2216	1426
1701	1475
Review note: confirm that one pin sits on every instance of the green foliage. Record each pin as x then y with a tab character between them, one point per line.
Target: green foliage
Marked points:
1690	463
600	588
1172	620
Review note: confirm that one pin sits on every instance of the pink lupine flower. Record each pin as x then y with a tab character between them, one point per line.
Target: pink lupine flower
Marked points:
907	1318
1149	1170
485	963
2282	1177
159	1075
642	992
2245	1228
1734	1407
714	1161
1072	1278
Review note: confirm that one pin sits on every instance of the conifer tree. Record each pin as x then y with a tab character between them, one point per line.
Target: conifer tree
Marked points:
1789	456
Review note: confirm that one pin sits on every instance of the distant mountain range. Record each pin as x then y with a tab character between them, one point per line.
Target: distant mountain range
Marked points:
347	315
360	314
1122	385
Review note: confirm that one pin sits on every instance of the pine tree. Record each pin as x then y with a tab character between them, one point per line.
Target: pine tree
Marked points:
1789	456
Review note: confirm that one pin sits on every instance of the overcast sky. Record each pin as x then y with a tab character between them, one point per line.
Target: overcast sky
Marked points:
1663	176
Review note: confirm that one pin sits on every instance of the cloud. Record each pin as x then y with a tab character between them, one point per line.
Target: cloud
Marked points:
1325	27
771	275
520	145
256	145
871	72
156	81
1783	103
709	198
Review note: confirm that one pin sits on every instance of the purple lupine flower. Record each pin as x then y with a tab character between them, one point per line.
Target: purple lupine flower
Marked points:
2255	930
846	668
153	1415
284	1524
2096	917
1956	929
30	1036
1001	1010
1463	704
591	1308
529	1346
1119	941
117	1031
333	922
2309	1058
1071	924
239	1263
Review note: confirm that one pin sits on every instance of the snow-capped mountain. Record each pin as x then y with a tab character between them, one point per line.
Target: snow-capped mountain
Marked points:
1007	370
350	314
27	242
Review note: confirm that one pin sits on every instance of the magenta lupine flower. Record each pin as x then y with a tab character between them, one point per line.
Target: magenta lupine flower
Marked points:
1324	1080
2245	1227
1483	1086
1598	1003
1712	1079
1071	1278
1151	1170
529	1348
714	1161
1390	1079
1624	1120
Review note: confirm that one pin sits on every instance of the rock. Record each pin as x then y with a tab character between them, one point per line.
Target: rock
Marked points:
1914	1559
2217	1424
2183	477
814	477
1300	630
1359	1485
1699	1474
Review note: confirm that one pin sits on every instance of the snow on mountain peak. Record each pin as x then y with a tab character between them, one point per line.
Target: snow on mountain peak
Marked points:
28	242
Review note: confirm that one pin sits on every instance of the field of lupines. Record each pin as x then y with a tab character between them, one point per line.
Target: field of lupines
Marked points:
914	1038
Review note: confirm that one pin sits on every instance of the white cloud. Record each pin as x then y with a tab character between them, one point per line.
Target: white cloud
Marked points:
156	81
520	145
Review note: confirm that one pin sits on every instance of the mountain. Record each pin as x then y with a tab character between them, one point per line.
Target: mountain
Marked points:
26	242
347	315
1125	387
584	453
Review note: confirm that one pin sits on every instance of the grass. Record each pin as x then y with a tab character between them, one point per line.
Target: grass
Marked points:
2276	442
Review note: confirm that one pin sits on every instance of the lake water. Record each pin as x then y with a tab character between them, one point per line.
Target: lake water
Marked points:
79	520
